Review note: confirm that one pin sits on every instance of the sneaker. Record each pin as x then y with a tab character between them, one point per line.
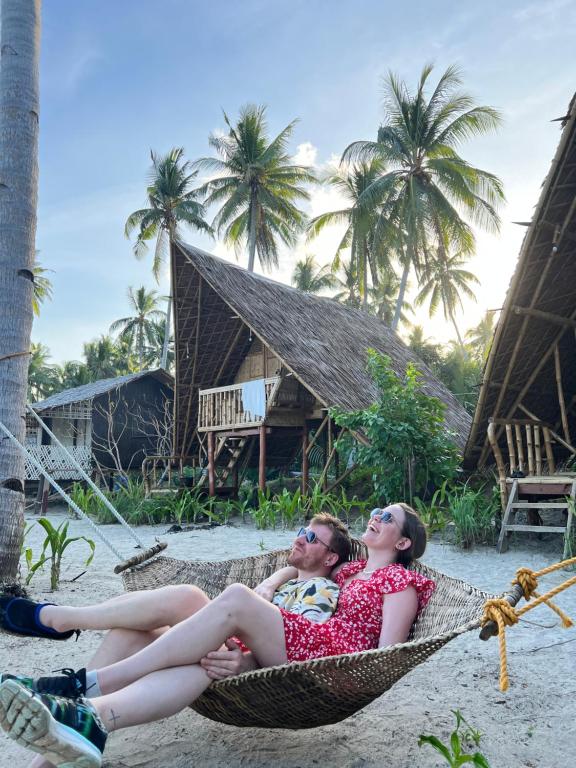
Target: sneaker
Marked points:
70	685
19	615
67	733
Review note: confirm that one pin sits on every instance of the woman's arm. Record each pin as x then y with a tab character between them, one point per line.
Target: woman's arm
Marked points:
398	613
267	587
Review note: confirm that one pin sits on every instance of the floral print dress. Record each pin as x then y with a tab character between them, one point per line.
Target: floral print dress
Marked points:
357	622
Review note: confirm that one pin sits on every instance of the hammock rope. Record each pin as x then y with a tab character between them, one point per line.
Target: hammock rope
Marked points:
500	611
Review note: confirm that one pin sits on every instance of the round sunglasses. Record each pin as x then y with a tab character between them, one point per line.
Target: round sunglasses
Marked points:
384	515
311	537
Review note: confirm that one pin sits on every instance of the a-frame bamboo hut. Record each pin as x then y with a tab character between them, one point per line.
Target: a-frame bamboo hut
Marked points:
525	420
258	364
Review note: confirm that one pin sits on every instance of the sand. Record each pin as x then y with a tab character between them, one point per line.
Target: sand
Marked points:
530	725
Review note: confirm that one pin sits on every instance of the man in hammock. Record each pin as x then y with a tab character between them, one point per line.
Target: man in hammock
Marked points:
136	619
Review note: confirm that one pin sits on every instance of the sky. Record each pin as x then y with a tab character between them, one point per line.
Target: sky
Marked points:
118	79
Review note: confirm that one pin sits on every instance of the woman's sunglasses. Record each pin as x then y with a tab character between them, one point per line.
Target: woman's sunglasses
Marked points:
311	537
384	515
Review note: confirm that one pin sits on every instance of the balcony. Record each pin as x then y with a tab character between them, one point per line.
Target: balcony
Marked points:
222	408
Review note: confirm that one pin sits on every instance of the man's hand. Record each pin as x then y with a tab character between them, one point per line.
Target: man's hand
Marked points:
227	663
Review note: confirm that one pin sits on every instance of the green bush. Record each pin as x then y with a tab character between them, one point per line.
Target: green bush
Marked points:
472	513
406	433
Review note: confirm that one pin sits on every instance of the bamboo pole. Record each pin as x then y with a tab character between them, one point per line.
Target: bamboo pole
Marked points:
305	462
519	448
555	435
529	449
549	452
262	459
211	470
317	434
537	450
511	450
563	414
491	431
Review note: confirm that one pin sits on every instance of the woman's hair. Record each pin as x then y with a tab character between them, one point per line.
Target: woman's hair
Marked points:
413	529
340	541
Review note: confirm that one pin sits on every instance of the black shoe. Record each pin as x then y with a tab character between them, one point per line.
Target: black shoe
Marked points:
19	615
67	733
70	685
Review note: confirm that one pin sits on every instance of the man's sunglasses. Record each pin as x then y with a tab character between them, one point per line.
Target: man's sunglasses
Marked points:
311	537
384	515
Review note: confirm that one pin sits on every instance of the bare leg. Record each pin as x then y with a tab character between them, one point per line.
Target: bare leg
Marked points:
153	697
237	611
144	610
118	644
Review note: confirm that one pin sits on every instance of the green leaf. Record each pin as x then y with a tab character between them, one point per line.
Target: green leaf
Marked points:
438	746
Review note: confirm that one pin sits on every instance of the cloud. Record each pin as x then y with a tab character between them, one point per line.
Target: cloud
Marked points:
80	68
305	154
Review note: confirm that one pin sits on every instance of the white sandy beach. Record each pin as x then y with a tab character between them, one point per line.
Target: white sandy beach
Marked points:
532	725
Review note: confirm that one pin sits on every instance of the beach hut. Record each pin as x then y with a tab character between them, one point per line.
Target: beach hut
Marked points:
259	363
111	424
525	420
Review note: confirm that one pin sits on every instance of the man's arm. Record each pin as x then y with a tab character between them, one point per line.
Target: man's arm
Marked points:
267	587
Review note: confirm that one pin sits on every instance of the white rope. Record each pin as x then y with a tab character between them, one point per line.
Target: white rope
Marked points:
107	503
61	491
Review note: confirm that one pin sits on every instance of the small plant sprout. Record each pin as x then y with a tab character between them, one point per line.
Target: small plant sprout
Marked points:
462	738
56	543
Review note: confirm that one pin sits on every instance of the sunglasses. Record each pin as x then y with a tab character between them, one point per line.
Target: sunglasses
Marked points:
311	537
384	515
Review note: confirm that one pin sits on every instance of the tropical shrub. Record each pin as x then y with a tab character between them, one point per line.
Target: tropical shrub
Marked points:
55	543
463	737
406	433
472	511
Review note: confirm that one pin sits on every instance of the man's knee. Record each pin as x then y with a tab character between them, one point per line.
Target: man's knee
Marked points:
235	597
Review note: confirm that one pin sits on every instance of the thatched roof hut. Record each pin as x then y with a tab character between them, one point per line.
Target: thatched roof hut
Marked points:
223	312
530	373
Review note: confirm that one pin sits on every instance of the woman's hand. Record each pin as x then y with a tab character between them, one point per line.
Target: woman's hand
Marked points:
265	590
228	662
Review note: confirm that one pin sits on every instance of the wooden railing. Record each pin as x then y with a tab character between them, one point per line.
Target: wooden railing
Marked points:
222	407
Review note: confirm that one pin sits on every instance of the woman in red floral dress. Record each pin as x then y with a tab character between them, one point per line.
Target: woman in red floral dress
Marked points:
379	600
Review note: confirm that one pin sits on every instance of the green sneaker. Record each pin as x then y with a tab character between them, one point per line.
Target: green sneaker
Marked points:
67	733
70	685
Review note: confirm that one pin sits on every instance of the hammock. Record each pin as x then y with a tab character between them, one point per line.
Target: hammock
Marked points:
312	693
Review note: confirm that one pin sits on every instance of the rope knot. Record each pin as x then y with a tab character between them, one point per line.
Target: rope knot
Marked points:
499	610
528	582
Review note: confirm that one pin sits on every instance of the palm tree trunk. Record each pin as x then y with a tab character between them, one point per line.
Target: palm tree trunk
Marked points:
252	236
463	348
20	44
140	343
164	358
401	292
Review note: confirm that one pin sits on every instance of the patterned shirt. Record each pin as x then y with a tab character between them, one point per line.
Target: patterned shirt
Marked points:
315	598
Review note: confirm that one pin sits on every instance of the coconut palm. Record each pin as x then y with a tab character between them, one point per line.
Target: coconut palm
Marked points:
431	194
351	181
481	336
443	282
138	329
42	290
257	186
42	377
309	277
426	349
105	359
384	295
172	202
71	373
19	109
347	282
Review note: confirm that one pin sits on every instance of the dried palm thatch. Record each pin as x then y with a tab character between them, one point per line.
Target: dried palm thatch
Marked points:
524	376
221	308
322	691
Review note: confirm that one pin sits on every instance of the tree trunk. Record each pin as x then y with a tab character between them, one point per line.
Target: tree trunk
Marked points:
252	236
463	348
164	359
401	292
19	47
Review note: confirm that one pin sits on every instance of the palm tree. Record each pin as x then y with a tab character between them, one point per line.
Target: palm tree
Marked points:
311	278
42	377
481	336
19	109
444	281
347	282
428	351
105	360
384	295
71	373
351	181
257	186
172	202
429	189
42	290
138	329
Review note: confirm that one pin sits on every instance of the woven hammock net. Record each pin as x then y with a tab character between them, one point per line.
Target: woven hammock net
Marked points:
321	691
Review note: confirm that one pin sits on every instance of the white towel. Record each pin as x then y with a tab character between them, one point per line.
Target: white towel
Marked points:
254	399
